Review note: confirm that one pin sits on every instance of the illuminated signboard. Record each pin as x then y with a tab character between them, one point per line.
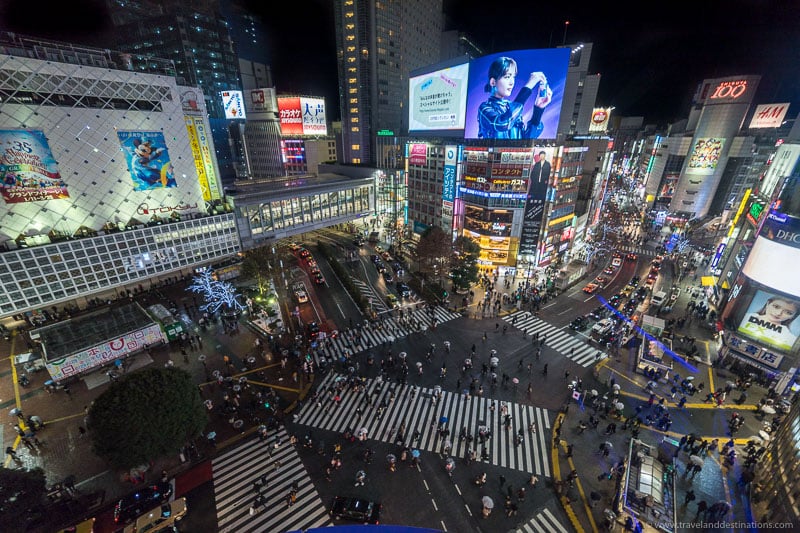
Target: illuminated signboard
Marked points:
729	89
233	104
599	120
300	115
777	245
418	154
449	182
770	319
754	214
705	155
437	100
769	116
29	170
385	133
540	78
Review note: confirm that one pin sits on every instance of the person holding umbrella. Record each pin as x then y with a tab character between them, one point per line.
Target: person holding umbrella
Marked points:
488	505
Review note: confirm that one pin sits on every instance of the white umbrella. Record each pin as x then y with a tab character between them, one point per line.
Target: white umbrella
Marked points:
756	439
764	435
619	405
694	459
487	502
768	409
419	364
402	355
494	360
595	393
616	386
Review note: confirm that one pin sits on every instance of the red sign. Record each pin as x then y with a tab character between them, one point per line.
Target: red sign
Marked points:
729	89
291	116
418	154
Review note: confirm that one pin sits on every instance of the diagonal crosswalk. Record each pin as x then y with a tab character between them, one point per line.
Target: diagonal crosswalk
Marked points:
389	329
570	346
416	408
236	470
545	521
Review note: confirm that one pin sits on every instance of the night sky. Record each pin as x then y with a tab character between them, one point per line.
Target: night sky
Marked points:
650	61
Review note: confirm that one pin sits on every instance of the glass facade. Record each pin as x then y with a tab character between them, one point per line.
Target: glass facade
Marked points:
34	277
777	494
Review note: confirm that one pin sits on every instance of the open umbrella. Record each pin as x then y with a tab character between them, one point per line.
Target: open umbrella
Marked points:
696	460
414	453
419	364
443	420
616	386
494	361
768	409
619	405
391	458
608	445
756	439
690	378
487	502
402	355
764	435
515	381
594	393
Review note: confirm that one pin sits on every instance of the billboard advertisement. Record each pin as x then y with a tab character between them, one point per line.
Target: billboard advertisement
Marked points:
203	137
418	154
233	104
770	319
28	168
262	101
599	120
197	154
705	155
769	115
534	204
302	116
777	245
451	158
148	159
516	94
437	100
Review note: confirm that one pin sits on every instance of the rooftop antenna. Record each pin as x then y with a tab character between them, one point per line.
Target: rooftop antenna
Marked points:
566	27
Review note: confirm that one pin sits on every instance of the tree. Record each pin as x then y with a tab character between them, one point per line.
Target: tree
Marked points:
145	415
21	496
434	252
217	294
465	262
255	265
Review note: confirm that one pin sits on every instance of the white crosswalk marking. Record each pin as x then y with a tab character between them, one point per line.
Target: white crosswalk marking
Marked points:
378	305
544	522
234	474
420	413
389	329
556	339
641	250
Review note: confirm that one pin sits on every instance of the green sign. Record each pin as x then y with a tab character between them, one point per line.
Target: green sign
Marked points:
755	212
385	133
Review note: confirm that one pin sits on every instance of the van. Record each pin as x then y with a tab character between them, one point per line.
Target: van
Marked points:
658	298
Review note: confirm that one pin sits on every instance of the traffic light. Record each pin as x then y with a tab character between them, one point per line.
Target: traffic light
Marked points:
444	294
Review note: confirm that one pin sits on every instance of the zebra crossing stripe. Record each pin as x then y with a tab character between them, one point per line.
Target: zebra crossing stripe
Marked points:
234	474
556	339
543	522
420	413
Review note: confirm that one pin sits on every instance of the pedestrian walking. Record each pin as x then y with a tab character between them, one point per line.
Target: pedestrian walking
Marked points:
690	497
702	506
502	480
544	370
566	375
361	477
11	453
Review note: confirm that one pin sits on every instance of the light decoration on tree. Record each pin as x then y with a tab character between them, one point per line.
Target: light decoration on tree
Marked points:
217	294
682	244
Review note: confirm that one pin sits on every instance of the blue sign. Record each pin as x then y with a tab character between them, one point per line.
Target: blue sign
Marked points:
449	182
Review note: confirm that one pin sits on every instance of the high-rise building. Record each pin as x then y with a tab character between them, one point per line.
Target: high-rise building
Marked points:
580	92
377	44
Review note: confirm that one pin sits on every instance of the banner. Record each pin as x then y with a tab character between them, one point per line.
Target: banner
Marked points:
451	159
705	156
233	104
214	188
534	205
770	319
302	116
769	116
198	158
148	159
418	154
599	120
29	170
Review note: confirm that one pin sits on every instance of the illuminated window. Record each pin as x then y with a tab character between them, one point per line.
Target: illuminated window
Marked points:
352	70
354	100
355	129
354	110
351	37
353	90
348	2
354	120
355	147
356	160
350	26
351	59
349	14
351	48
352	80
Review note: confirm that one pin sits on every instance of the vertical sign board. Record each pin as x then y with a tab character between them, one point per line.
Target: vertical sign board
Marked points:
233	104
194	143
534	205
214	188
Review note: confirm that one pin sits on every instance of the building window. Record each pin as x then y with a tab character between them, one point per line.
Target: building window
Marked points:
355	147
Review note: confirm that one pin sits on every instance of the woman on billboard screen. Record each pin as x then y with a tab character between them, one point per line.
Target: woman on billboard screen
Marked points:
501	118
770	318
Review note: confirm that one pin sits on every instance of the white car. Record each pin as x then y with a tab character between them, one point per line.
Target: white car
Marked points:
301	296
617	261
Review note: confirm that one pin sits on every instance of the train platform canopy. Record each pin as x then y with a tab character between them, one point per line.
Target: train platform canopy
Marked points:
85	331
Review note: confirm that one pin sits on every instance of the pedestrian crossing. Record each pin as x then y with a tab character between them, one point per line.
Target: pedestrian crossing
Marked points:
389	329
236	470
570	346
637	249
544	522
416	408
376	303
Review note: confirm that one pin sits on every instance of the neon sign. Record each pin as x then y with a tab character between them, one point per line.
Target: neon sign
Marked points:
729	89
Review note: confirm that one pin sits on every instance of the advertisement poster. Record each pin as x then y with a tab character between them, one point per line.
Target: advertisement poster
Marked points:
233	104
771	319
705	156
599	120
302	116
500	106
437	100
214	187
29	170
449	182
148	159
769	115
194	143
534	205
418	154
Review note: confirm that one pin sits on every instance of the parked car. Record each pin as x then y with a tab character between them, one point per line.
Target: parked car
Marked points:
136	503
161	518
356	509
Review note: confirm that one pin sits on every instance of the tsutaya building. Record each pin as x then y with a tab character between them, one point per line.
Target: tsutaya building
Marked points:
718	112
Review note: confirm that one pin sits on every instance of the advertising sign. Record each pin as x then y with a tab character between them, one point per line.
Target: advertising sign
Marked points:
262	101
302	116
769	115
599	120
194	143
754	352
705	156
203	137
449	182
28	169
516	94
418	154
770	319
148	159
233	104
436	101
535	202
103	353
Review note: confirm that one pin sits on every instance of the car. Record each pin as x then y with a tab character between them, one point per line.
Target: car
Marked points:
304	253
600	280
358	241
136	503
392	301
617	255
579	324
386	256
161	518
310	261
650	282
380	267
591	288
631	257
356	509
615	300
300	296
318	278
631	306
603	327
609	338
387	276
617	261
609	271
656	264
641	292
293	246
653	274
403	290
313	330
627	290
599	312
635	280
375	258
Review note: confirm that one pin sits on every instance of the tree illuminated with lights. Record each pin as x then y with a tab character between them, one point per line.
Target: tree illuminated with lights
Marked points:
217	294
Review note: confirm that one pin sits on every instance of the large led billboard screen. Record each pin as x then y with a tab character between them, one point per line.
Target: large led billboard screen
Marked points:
302	116
540	176
437	100
516	94
771	319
